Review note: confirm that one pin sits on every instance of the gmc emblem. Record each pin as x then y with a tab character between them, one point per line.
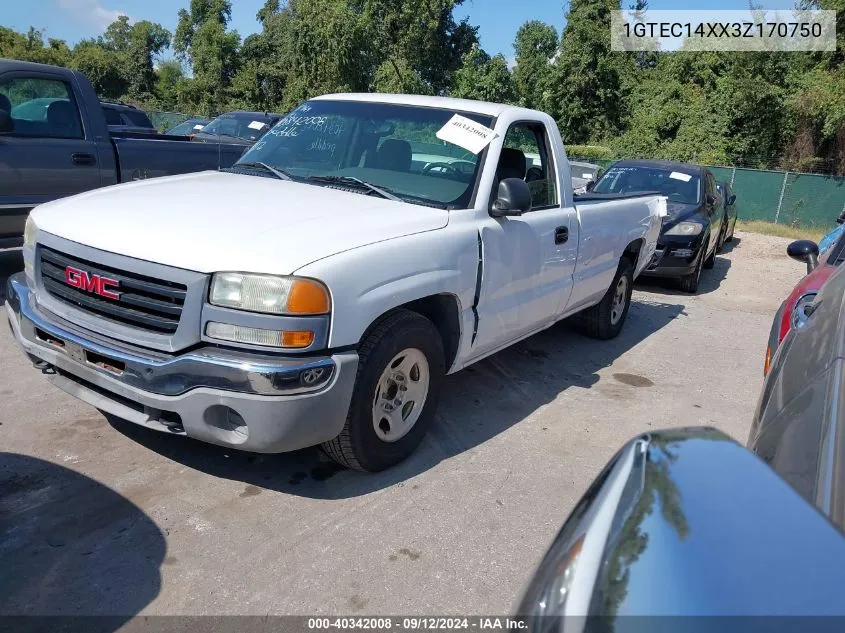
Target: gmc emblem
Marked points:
88	282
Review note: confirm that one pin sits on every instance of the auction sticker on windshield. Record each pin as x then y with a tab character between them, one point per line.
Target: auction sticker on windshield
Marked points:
466	133
679	176
256	125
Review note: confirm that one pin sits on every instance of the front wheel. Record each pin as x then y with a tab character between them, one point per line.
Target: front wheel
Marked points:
400	371
605	320
689	283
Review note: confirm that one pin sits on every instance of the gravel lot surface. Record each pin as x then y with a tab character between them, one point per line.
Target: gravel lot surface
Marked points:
107	517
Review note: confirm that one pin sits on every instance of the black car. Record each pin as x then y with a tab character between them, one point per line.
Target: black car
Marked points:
729	200
188	128
693	227
237	127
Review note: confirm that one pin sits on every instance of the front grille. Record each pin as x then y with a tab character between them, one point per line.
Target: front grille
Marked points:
146	303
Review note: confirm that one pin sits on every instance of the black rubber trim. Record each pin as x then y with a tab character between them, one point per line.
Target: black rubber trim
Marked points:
478	277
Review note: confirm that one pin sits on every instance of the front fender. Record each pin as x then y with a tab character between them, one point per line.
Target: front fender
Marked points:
367	282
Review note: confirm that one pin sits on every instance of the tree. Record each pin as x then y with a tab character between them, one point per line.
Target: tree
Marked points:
586	94
203	39
484	78
535	45
102	67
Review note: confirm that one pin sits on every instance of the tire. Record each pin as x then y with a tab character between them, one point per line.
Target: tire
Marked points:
730	237
405	340
711	260
604	320
689	283
723	236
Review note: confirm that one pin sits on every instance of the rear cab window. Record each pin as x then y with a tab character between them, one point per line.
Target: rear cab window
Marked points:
41	107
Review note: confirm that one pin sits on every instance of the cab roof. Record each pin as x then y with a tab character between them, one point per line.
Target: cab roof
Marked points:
444	103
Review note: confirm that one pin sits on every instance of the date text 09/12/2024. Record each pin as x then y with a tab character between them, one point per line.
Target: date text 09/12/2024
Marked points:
418	623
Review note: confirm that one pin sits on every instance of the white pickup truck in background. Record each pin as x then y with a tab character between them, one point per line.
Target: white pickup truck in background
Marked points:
319	291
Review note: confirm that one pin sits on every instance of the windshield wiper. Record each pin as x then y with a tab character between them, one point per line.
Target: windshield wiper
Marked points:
279	173
357	181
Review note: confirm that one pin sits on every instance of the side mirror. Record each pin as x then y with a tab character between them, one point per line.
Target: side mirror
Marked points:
732	200
590	185
5	122
513	198
806	251
651	514
841	218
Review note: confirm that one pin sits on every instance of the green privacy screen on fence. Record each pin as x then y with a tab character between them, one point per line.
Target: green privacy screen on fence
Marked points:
800	200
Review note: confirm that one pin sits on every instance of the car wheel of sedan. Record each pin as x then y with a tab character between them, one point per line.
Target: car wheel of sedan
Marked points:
605	320
689	283
400	369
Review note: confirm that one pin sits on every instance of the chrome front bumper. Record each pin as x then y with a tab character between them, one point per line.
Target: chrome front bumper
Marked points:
256	402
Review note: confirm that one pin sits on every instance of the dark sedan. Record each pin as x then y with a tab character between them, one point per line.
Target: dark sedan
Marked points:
187	128
237	127
692	231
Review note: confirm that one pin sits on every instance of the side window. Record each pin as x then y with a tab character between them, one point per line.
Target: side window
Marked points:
526	155
112	116
40	107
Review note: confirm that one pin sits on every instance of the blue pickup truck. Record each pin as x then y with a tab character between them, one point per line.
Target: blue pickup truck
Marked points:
67	147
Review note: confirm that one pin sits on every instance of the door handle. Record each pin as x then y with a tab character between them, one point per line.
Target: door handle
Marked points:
561	234
83	159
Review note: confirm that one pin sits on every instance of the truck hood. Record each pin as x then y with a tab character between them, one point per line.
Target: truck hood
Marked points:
213	221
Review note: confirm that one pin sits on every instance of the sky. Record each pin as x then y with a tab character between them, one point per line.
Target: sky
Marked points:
72	20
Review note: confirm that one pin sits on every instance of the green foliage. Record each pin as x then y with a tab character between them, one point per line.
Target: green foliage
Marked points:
484	78
535	45
591	152
586	93
749	109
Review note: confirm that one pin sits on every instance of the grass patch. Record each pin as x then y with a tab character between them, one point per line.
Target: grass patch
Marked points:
781	230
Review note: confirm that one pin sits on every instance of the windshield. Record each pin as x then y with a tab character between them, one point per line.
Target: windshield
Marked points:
240	124
394	147
583	172
675	185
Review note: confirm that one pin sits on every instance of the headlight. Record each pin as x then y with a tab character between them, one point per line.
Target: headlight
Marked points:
686	228
30	232
269	294
800	313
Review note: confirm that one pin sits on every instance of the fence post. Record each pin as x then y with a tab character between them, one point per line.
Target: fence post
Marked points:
733	175
780	200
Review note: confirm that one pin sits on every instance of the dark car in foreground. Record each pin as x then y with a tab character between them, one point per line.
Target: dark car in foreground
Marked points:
238	127
799	425
687	522
55	141
692	230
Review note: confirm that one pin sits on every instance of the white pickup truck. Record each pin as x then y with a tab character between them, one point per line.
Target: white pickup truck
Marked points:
318	291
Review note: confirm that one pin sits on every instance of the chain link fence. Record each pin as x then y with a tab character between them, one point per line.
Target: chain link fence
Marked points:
783	197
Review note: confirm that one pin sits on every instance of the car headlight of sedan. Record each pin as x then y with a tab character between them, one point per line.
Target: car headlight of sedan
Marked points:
270	294
686	228
800	313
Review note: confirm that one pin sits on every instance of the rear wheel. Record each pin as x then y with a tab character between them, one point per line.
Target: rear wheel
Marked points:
730	237
400	371
605	319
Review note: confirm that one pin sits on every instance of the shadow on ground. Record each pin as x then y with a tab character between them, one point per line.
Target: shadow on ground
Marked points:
476	405
70	546
709	282
11	261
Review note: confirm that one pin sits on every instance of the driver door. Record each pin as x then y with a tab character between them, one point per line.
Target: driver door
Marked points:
528	260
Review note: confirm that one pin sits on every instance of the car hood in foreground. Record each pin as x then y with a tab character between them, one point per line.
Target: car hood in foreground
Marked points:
213	221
